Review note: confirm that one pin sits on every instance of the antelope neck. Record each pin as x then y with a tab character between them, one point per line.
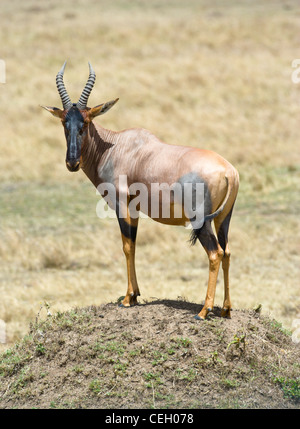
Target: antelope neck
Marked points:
96	149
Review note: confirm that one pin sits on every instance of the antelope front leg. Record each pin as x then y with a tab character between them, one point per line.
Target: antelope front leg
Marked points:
128	228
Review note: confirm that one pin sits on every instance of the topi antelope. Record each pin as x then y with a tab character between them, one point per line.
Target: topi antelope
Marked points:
135	153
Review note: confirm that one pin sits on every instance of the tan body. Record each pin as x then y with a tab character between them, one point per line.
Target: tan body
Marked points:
146	159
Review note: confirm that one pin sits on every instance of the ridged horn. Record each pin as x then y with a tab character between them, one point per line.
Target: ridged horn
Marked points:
82	102
66	102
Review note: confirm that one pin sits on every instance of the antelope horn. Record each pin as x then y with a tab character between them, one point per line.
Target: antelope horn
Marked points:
87	89
61	88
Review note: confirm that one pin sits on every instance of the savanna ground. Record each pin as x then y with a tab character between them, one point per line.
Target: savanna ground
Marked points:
210	74
151	356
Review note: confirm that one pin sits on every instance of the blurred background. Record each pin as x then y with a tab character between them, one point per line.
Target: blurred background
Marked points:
213	74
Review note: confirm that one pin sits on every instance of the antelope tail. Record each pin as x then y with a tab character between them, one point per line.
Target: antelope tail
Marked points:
195	232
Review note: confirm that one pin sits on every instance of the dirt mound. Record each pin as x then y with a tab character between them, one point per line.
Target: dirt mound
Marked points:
154	355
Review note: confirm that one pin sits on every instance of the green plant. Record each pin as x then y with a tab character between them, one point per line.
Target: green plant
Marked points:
230	384
182	342
110	346
290	387
120	368
153	378
189	375
158	357
78	369
40	349
25	377
95	386
215	357
238	341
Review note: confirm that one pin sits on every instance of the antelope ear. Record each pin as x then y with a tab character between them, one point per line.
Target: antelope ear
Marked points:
101	109
58	113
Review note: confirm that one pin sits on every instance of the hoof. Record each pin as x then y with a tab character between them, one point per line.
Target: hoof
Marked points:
129	305
226	316
124	306
197	317
226	313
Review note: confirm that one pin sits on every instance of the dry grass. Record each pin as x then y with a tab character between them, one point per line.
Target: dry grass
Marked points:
201	73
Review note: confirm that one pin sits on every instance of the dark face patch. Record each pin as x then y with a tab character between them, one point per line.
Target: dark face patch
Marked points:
74	132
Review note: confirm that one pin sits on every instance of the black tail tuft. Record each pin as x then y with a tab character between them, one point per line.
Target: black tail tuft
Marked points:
194	236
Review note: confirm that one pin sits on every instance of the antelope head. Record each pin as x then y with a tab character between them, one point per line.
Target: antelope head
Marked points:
75	117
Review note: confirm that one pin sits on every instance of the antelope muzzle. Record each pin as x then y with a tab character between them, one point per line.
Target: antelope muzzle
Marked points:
73	164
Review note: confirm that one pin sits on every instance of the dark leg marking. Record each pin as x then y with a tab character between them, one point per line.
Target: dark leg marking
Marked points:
129	231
